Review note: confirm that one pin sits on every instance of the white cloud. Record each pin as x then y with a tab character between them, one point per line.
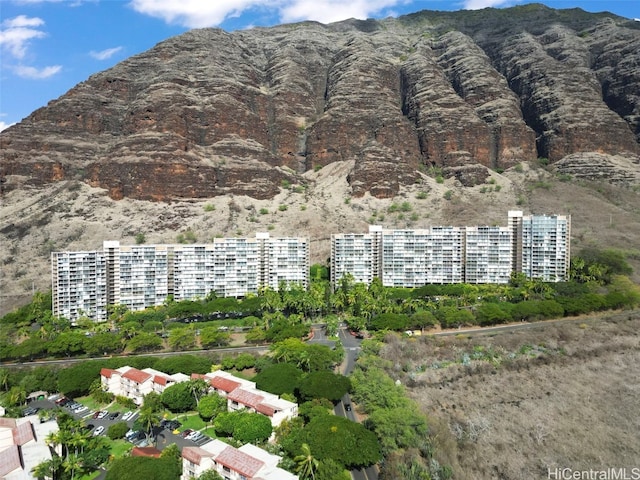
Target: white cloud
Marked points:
17	32
22	21
198	13
105	54
25	71
327	11
193	13
478	4
4	126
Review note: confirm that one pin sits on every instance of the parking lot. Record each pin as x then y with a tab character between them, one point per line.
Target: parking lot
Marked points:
100	421
91	418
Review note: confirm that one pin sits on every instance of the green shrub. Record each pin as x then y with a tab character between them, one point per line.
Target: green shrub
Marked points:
117	430
263	211
140	238
209	207
448	195
282	207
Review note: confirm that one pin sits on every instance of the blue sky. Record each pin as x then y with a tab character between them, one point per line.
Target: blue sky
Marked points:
48	46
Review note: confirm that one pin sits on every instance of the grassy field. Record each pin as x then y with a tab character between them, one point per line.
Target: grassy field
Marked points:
190	420
513	405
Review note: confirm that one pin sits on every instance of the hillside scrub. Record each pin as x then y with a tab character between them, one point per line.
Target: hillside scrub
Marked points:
564	394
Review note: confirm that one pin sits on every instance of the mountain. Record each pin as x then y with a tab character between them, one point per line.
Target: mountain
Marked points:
325	127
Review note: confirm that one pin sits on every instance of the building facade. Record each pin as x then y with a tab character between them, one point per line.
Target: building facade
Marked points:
545	245
356	254
141	276
241	394
135	384
536	245
245	463
79	285
487	256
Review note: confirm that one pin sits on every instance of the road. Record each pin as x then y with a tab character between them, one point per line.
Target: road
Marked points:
528	325
69	361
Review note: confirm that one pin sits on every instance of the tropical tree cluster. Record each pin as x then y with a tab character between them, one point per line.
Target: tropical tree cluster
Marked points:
395	420
598	281
75	451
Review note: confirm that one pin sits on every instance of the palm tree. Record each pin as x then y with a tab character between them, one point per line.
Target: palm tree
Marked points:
72	464
149	420
48	469
53	440
4	379
198	388
307	463
17	396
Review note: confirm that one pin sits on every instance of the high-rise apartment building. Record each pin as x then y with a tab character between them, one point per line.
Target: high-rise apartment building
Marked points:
537	245
357	254
79	285
543	249
412	258
141	276
284	259
487	257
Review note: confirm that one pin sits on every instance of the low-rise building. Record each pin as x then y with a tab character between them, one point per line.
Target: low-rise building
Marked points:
245	463
242	394
135	384
22	446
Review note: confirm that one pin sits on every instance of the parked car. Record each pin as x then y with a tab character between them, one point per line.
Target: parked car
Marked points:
102	414
30	411
80	409
170	424
127	415
347	407
186	433
62	401
114	415
134	436
98	431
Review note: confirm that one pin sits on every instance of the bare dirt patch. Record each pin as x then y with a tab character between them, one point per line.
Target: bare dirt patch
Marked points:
513	405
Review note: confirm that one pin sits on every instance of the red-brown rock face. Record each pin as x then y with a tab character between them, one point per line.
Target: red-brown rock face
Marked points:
212	113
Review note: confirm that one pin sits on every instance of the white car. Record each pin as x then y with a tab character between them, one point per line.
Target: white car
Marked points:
80	409
127	415
195	436
102	414
98	431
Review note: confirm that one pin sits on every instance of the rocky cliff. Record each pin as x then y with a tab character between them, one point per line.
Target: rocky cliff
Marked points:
212	113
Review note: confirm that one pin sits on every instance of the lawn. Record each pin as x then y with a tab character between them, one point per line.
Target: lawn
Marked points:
194	422
119	447
90	403
210	432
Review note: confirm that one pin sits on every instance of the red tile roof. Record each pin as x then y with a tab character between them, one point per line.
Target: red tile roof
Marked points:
195	454
160	380
23	433
265	409
224	384
145	452
8	422
107	372
197	376
239	462
9	460
245	397
137	375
